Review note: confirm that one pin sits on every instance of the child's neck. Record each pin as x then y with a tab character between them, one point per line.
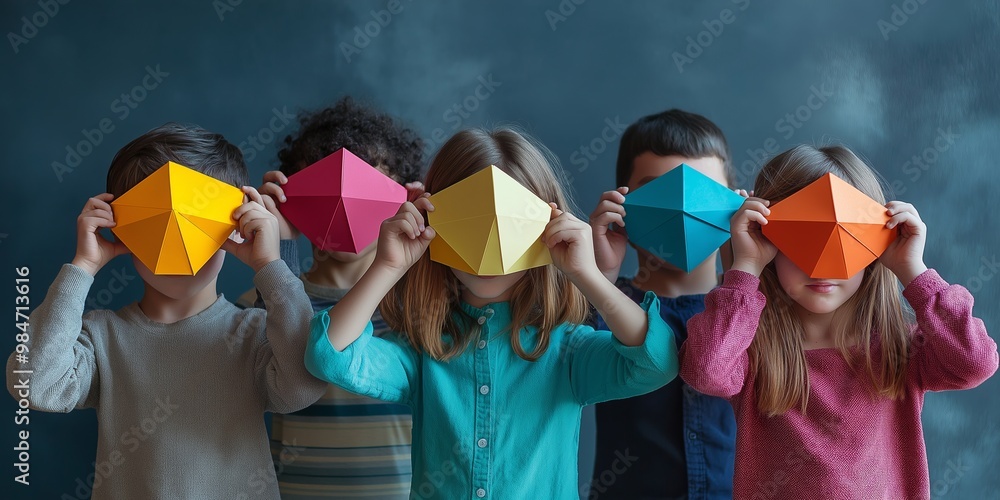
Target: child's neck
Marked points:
332	273
668	281
818	329
163	309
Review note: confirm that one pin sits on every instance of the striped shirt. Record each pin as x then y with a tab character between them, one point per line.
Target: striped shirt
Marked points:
345	445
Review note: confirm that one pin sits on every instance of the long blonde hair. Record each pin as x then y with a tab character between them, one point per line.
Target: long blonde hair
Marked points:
872	319
424	304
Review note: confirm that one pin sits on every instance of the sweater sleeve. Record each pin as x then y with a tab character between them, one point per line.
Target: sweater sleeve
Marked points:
281	376
714	357
601	368
951	348
60	348
383	368
289	252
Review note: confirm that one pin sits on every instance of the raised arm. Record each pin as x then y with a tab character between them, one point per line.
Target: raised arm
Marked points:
602	368
714	357
951	348
60	353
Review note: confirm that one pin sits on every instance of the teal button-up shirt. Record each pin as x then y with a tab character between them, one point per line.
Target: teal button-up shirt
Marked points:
488	424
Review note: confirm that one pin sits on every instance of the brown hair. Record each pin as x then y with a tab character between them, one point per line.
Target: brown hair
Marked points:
424	304
672	132
188	145
872	319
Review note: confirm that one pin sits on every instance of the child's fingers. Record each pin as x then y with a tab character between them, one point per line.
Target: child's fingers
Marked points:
611	206
616	196
273	190
756	206
754	216
896	207
269	203
907	219
623	190
275	176
98	222
415	215
555	210
399	225
253	195
601	221
423	203
563	235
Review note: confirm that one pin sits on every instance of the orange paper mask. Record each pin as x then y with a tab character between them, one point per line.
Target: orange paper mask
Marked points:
829	229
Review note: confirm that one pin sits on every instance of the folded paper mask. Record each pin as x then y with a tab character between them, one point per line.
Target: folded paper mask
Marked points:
488	225
681	217
339	202
829	229
176	218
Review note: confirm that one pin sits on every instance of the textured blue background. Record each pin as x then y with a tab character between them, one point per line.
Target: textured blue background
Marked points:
563	78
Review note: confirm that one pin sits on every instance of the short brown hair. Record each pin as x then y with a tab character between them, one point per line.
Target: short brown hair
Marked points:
188	145
672	132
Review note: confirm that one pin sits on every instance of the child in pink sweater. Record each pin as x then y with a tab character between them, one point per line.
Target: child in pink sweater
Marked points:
827	377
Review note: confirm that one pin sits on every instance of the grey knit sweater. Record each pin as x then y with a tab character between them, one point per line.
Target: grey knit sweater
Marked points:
180	406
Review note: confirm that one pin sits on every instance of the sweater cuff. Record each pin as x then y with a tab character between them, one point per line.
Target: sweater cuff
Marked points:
740	280
923	288
323	360
659	348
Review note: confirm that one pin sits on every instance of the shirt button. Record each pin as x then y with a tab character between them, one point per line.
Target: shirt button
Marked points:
480	493
692	435
482	443
482	344
481	320
489	312
484	389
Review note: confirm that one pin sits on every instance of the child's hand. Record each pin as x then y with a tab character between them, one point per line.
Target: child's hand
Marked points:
570	243
905	255
93	250
403	238
726	250
414	190
751	249
609	245
274	194
259	229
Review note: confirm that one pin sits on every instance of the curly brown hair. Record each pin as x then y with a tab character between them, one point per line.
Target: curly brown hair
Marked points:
372	135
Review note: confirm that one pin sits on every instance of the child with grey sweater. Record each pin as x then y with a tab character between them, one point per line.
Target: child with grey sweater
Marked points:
181	379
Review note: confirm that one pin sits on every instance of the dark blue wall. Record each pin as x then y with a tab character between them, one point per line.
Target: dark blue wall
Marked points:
892	80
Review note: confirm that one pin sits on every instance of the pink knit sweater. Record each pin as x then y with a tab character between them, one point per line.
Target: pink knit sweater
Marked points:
850	443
